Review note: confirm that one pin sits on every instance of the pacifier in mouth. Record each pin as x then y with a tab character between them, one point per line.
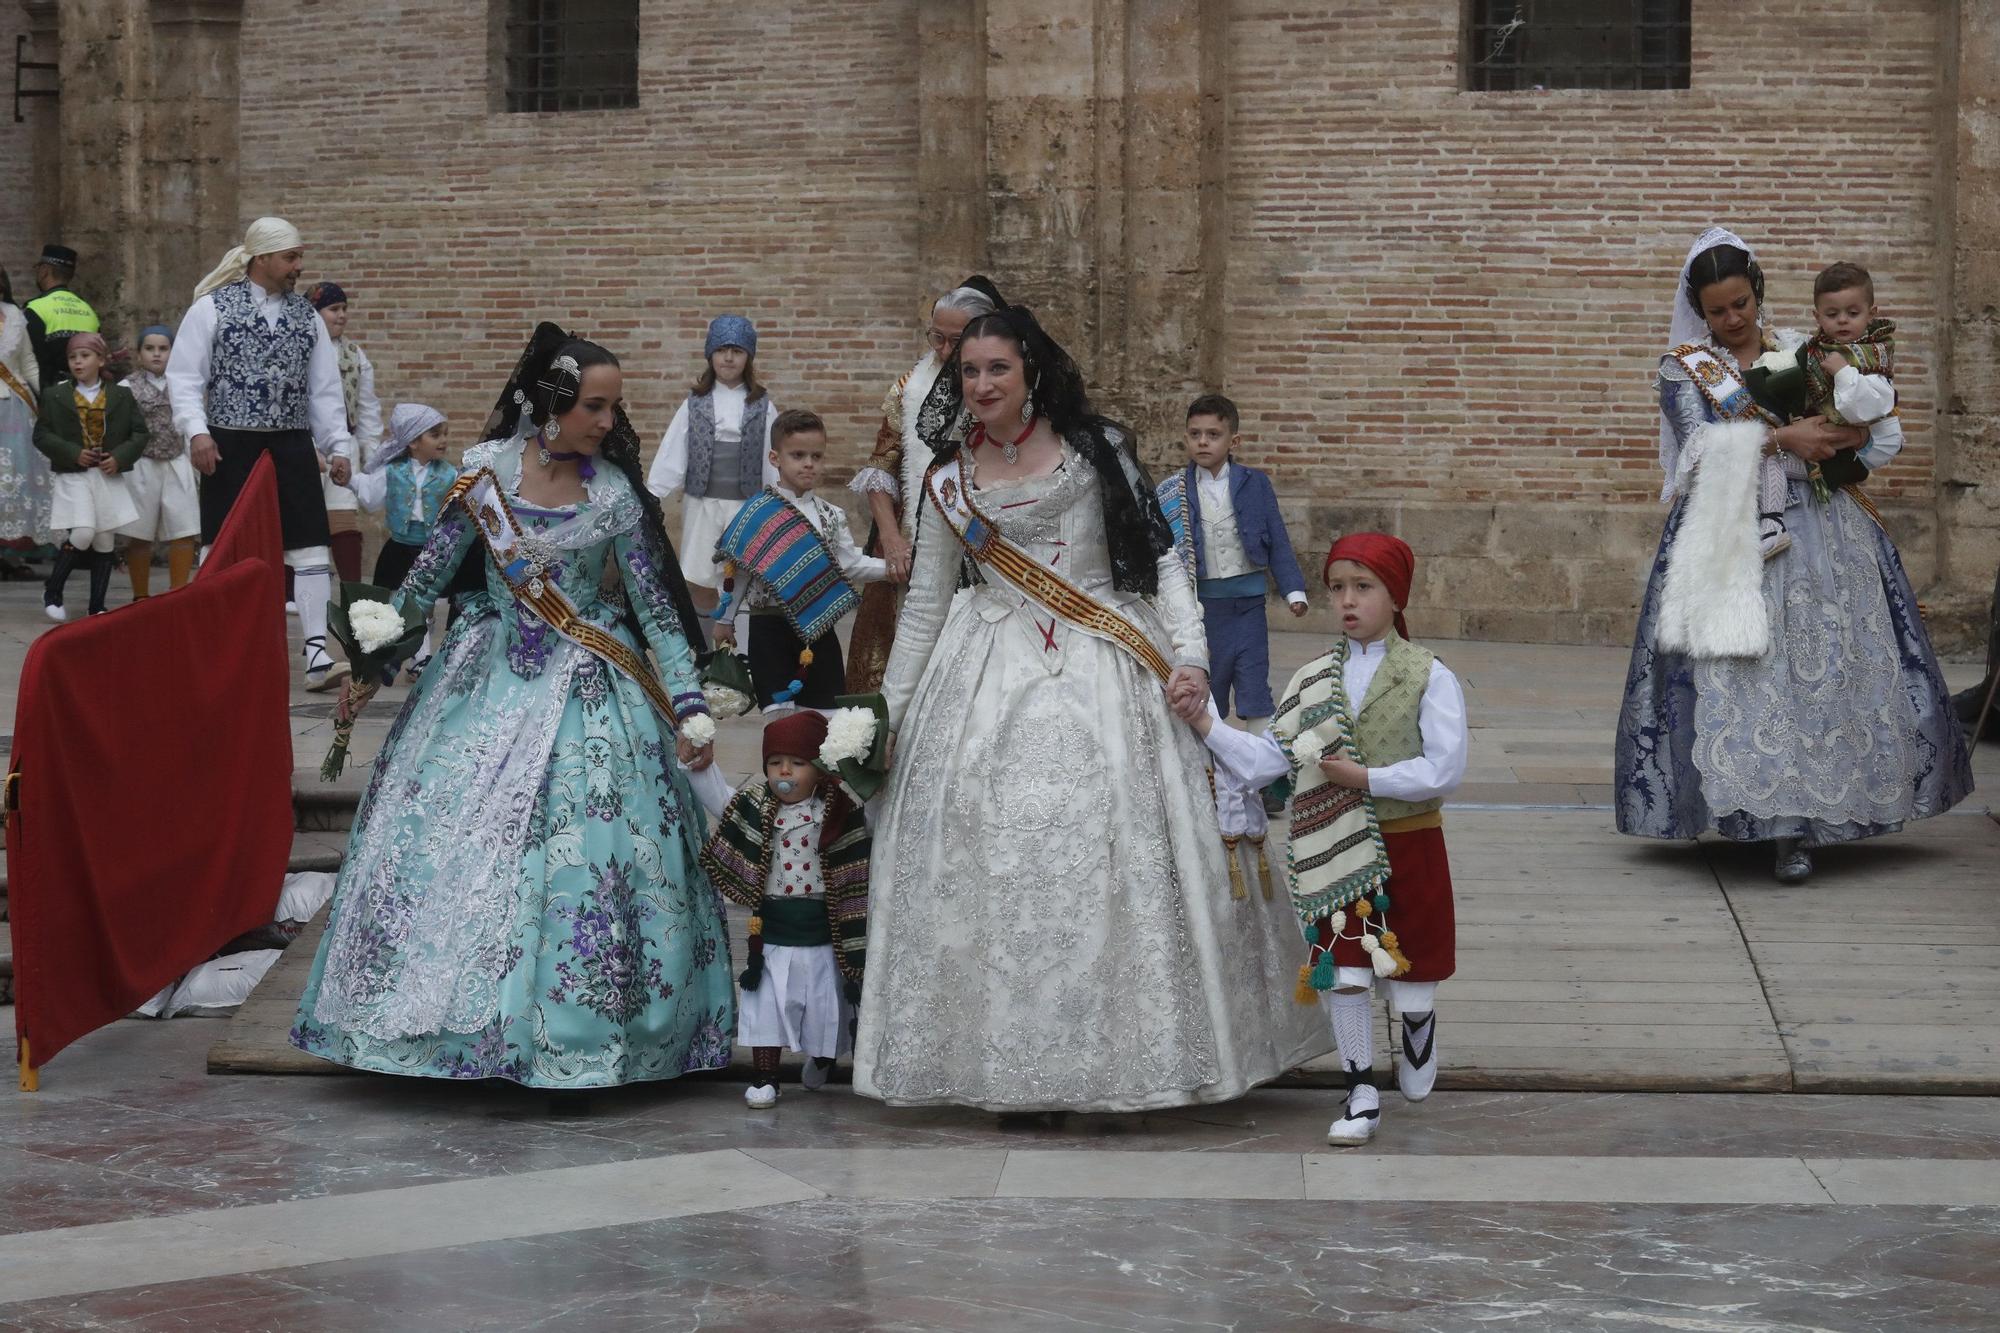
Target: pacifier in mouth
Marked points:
784	786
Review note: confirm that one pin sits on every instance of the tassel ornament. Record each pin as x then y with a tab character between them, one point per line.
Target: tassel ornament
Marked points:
1263	868
1237	890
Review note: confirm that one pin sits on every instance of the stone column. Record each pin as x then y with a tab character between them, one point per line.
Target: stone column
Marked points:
1968	465
146	151
1085	139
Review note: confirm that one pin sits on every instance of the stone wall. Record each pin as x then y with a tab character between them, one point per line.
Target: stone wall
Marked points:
19	243
1439	310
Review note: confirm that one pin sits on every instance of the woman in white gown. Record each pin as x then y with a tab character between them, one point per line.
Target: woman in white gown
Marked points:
1050	919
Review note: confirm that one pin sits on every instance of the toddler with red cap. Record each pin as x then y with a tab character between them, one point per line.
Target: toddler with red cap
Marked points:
1373	736
792	846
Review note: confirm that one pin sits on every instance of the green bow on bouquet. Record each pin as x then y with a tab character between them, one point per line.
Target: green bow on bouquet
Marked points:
857	743
376	637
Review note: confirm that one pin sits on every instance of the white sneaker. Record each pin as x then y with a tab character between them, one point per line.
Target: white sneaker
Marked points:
291	608
814	1074
1417	1067
1772	539
1357	1122
761	1096
55	613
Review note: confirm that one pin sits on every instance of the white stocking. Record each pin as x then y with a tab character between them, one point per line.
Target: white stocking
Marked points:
1353	1016
313	587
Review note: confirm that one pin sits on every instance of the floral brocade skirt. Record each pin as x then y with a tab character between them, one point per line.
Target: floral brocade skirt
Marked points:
1842	730
521	898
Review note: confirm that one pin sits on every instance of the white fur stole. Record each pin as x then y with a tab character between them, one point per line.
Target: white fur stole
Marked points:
1712	604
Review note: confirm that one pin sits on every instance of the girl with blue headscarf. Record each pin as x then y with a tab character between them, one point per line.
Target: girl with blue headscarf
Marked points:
717	452
161	483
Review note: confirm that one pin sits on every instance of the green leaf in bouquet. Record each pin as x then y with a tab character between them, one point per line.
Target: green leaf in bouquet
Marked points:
867	776
727	676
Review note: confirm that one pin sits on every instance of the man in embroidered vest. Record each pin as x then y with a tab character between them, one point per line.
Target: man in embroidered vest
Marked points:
254	372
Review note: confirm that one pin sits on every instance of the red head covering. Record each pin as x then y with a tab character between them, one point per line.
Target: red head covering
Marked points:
798	734
1390	558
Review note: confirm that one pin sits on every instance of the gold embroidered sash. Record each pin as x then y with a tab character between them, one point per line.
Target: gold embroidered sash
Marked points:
509	547
945	484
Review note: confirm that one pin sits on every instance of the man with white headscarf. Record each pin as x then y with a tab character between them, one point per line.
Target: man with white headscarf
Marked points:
254	372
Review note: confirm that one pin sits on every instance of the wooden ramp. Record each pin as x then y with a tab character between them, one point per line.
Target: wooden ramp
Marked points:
254	1038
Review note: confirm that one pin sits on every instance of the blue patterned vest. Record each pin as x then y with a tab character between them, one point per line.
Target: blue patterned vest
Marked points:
736	478
257	374
400	495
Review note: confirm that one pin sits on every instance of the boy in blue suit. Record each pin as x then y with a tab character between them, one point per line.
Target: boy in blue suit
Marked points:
1228	515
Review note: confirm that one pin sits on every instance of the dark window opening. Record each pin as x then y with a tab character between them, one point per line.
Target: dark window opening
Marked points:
572	55
1529	45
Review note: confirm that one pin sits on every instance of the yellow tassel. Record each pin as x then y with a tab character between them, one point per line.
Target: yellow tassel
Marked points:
756	925
1304	992
1263	869
1363	908
806	657
1237	889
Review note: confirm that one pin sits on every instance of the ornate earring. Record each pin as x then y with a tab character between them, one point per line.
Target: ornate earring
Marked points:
1028	409
552	430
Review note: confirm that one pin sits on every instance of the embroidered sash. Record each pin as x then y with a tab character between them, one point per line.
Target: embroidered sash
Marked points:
1025	574
1174	504
772	539
524	568
1335	854
1720	383
7	377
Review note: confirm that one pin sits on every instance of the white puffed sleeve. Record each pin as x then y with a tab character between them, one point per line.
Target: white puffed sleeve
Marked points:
933	583
1180	612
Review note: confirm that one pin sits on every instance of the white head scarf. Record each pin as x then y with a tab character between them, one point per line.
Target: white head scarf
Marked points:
265	236
406	423
1688	326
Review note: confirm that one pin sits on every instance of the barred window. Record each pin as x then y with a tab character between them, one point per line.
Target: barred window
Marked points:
571	55
1530	45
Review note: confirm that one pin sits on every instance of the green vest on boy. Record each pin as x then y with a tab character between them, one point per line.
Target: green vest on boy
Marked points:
1386	727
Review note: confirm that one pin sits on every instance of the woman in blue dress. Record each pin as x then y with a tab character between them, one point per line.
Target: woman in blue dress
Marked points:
521	898
1842	728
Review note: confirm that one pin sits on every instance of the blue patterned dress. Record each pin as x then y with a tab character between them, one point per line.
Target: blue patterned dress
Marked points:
521	897
1842	730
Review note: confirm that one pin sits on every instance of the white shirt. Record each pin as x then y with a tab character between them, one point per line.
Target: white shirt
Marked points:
194	347
91	392
670	465
795	869
367	430
1222	542
1256	761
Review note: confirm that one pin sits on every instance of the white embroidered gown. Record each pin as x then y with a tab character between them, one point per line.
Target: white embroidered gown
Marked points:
1050	920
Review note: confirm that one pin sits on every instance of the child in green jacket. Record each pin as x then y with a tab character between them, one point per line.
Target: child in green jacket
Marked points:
92	433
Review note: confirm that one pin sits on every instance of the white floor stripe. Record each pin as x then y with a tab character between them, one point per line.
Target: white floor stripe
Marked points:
149	1251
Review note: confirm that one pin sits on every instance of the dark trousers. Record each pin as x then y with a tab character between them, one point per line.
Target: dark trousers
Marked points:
1239	654
774	650
392	566
301	503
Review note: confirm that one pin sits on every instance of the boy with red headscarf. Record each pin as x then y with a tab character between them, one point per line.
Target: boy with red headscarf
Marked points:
1373	735
793	848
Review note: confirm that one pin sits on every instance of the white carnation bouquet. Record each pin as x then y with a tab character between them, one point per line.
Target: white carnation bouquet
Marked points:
856	745
375	636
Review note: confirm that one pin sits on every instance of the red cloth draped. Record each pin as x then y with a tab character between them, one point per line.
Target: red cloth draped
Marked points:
153	809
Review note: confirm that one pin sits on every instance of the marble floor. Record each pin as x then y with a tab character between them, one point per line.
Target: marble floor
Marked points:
137	1192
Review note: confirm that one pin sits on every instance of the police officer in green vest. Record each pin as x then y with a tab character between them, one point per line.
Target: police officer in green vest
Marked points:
57	312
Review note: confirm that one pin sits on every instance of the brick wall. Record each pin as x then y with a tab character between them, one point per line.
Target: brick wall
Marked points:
1444	308
769	169
1440	310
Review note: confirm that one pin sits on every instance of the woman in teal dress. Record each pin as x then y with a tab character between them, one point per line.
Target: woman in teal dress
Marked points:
521	898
